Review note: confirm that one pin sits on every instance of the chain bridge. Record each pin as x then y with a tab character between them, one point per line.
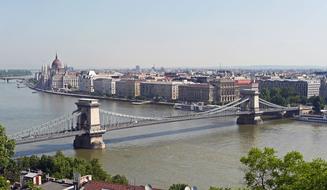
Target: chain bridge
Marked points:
9	78
88	123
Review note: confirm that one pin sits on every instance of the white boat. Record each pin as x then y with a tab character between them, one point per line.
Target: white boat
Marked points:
141	102
312	118
197	107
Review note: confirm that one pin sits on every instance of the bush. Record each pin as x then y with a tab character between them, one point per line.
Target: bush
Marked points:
177	187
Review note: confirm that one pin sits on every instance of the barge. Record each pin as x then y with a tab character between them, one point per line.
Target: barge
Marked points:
312	118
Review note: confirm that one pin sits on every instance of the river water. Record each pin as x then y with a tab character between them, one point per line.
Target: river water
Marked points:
202	152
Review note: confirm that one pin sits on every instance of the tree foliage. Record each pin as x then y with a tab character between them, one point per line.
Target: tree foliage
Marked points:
7	147
317	103
31	186
265	171
178	186
119	179
60	166
4	185
220	188
282	96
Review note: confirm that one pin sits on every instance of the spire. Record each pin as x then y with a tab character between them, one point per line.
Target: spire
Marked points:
56	55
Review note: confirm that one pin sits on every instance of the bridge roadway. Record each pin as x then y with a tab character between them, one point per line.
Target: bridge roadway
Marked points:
49	136
187	118
15	78
128	125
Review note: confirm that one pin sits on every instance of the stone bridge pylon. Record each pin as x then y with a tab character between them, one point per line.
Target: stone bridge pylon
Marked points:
252	106
89	121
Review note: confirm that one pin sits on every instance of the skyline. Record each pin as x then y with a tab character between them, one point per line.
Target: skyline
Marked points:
122	34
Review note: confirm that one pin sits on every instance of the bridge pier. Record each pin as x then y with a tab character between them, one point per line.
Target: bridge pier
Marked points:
252	106
251	119
89	121
87	141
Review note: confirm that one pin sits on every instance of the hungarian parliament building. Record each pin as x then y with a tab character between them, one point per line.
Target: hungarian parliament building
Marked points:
57	76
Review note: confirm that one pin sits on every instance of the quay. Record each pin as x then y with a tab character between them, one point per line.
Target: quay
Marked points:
97	97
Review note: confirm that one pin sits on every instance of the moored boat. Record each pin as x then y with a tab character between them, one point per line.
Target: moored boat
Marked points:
141	102
312	118
197	107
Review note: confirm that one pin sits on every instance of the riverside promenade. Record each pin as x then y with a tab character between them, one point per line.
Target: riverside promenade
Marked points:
95	96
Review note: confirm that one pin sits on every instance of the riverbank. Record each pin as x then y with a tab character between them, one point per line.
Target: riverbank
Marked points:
96	97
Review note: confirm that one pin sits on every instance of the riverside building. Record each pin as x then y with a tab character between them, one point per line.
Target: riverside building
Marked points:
86	81
164	90
105	86
302	87
225	90
128	88
199	92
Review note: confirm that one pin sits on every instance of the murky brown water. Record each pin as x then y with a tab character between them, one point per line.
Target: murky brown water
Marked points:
201	153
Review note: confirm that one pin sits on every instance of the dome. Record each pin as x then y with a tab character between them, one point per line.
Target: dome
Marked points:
57	64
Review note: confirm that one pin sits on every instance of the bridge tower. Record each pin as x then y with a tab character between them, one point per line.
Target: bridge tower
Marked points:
89	121
252	106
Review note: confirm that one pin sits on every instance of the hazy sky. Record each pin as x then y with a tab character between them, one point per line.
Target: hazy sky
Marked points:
169	33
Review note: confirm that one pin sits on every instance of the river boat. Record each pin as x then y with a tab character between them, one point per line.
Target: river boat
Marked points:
312	118
141	102
20	86
197	107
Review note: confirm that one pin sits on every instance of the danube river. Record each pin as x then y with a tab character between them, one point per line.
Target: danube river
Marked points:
202	152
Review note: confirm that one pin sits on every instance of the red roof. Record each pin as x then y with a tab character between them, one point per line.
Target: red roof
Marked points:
98	185
243	82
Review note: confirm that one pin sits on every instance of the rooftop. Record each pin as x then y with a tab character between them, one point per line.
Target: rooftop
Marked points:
31	175
97	185
53	185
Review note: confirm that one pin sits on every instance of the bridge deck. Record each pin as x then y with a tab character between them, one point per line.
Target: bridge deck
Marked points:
137	121
47	137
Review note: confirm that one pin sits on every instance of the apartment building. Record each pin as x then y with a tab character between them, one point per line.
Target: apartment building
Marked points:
128	88
225	90
197	92
163	90
305	88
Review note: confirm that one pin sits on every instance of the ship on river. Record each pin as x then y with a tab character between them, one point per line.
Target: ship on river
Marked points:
197	107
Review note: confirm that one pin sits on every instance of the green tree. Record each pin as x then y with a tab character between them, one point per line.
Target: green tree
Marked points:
7	147
282	96
294	100
262	166
219	188
177	186
317	103
12	172
289	168
265	171
119	179
265	94
4	185
62	166
97	172
274	92
303	100
279	100
284	92
31	186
